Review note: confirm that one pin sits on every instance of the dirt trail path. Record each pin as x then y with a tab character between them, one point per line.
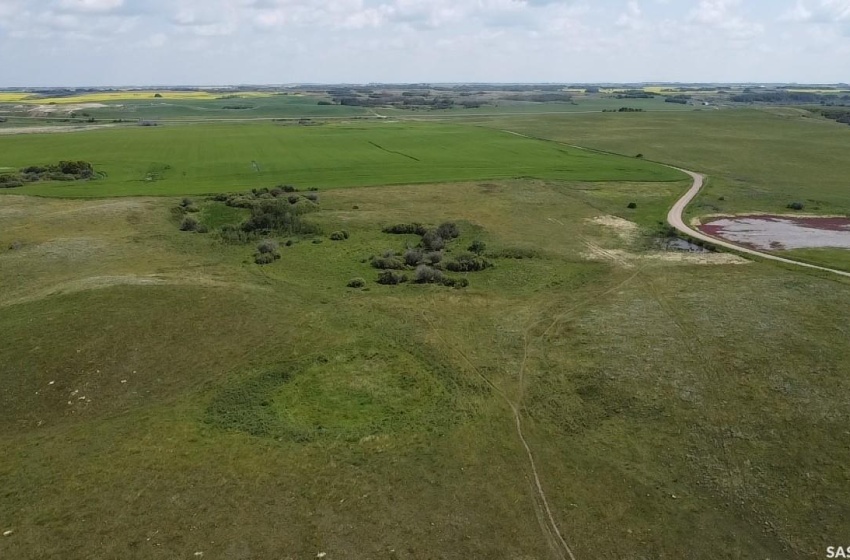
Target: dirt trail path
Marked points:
550	527
674	218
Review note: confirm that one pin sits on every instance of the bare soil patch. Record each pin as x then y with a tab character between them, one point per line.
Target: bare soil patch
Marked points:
625	229
776	233
628	259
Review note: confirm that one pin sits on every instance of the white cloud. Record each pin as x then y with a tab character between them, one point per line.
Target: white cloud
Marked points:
823	11
420	40
632	17
90	6
723	15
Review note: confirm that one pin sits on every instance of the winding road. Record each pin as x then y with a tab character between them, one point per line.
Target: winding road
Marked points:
674	218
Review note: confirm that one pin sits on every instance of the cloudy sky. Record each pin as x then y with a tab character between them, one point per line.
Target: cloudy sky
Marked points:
170	42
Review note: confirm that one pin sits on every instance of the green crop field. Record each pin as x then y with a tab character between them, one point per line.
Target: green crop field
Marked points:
163	396
175	160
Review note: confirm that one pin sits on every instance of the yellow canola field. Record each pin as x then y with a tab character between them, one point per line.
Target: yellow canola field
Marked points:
106	96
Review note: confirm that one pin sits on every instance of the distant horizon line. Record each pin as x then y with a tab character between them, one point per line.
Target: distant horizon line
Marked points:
377	84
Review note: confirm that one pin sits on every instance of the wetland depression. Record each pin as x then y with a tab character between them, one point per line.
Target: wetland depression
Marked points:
776	233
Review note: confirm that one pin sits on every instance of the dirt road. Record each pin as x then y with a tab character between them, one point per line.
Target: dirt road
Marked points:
674	218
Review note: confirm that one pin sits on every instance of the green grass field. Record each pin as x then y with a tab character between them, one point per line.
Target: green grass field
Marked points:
175	160
161	395
757	161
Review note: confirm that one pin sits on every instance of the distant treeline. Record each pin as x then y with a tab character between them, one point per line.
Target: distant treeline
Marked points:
635	94
680	99
840	114
785	97
540	97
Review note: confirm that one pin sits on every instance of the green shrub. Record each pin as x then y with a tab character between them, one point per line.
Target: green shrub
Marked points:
448	230
433	258
268	246
406	229
455	282
339	236
478	247
632	205
413	257
312	197
467	262
433	241
187	205
388	262
267	251
391	278
424	274
189	223
796	206
356	283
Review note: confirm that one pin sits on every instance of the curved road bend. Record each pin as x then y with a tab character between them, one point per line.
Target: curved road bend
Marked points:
674	218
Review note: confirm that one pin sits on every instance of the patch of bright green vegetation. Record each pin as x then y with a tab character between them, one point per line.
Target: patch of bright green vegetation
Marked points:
182	160
363	394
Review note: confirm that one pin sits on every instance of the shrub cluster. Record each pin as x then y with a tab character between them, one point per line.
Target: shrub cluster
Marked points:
339	235
256	196
391	278
468	262
388	261
406	229
277	215
796	206
425	274
426	260
63	171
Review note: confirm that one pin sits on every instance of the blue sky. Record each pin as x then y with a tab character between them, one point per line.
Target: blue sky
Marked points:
168	42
